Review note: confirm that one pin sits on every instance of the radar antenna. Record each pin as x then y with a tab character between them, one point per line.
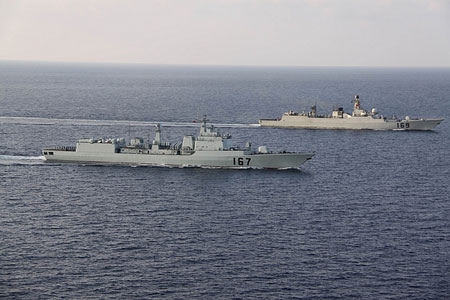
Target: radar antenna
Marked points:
202	120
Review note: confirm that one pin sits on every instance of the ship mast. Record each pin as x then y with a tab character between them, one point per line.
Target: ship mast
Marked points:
157	139
203	126
356	101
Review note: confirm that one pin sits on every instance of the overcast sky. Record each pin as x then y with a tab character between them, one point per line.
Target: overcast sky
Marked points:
229	32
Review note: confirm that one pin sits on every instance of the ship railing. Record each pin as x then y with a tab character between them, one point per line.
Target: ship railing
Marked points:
63	148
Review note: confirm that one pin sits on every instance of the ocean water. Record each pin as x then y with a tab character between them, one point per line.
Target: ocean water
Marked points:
367	218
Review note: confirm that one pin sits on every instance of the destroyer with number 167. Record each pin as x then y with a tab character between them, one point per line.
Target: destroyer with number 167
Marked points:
208	149
358	119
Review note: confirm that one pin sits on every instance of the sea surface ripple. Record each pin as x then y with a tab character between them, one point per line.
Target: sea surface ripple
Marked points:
366	218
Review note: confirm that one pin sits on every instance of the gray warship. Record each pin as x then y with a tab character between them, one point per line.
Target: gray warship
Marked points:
209	149
358	119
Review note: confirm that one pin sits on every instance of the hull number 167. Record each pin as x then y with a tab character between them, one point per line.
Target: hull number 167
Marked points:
241	161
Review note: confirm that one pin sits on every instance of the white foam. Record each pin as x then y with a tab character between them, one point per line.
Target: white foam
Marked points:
21	160
17	157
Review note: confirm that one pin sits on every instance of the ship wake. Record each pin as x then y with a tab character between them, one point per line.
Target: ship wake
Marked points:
21	160
87	122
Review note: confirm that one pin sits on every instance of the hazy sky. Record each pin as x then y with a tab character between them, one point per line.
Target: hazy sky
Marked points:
229	32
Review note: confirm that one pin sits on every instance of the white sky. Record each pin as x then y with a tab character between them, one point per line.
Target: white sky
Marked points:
229	32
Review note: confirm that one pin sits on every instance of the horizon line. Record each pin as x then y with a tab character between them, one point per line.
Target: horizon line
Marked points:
221	65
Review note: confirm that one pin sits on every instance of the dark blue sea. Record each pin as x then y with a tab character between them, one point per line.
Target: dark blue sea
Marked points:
367	218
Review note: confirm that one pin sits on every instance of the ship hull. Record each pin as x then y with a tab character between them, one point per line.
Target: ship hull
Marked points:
355	123
215	159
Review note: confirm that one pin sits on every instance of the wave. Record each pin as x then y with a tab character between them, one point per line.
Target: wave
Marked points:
87	122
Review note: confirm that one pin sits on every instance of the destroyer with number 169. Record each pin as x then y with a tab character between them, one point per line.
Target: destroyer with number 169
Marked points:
358	119
208	149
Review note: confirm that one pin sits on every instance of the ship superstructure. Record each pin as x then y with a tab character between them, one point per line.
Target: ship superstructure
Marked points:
358	119
209	149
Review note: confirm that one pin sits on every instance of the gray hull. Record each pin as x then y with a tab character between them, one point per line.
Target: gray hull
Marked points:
359	119
213	159
356	123
209	149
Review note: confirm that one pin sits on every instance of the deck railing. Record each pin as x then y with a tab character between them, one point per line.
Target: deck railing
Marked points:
62	148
